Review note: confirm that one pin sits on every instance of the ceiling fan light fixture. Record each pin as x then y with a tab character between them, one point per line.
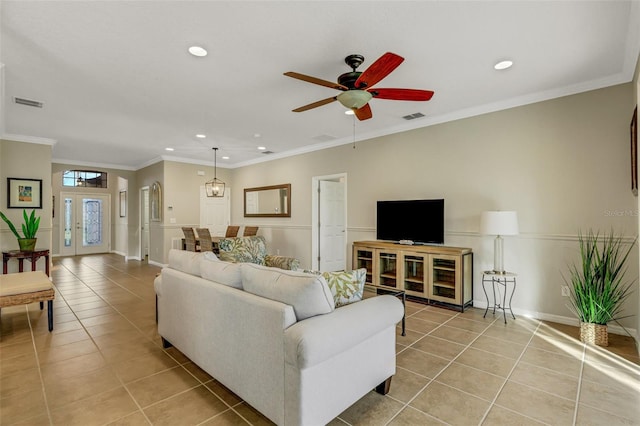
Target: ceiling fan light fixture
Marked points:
354	99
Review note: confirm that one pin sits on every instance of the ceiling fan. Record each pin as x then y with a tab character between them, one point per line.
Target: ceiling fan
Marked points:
357	87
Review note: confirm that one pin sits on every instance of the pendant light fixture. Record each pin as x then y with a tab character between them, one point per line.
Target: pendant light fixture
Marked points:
214	187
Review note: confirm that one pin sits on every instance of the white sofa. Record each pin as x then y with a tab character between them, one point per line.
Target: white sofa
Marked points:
275	338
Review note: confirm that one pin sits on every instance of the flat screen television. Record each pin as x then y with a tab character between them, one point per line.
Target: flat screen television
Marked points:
421	221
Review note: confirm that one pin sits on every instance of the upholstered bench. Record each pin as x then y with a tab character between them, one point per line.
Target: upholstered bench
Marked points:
27	287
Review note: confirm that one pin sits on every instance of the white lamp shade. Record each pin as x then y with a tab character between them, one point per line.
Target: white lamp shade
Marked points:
499	223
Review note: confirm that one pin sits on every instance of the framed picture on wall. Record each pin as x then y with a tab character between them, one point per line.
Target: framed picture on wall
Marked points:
24	193
634	151
123	203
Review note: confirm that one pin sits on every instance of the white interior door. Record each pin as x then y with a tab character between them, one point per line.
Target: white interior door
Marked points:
215	212
86	223
332	226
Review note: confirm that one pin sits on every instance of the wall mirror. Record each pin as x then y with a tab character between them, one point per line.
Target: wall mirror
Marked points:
268	201
155	201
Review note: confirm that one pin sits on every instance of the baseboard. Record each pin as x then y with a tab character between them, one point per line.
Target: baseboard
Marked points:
612	328
120	253
153	262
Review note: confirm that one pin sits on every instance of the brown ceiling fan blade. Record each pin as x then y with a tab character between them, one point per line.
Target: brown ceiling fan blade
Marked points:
315	80
364	113
402	94
381	68
315	104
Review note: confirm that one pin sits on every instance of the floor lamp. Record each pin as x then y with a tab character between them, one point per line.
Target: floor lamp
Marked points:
498	223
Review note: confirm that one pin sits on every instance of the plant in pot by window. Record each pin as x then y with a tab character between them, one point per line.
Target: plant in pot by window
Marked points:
597	286
29	229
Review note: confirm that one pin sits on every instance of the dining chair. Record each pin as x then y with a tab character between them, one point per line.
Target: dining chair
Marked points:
250	231
206	244
232	231
190	239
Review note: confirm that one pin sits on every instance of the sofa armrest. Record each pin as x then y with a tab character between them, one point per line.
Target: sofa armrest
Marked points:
319	338
282	262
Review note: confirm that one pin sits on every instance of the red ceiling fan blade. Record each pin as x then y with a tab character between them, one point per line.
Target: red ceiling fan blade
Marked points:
315	80
315	104
364	113
378	70
402	94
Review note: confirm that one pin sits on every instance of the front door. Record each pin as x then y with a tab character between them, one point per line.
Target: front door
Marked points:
86	223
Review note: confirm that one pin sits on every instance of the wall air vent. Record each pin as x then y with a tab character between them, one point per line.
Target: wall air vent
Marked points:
267	152
27	102
414	115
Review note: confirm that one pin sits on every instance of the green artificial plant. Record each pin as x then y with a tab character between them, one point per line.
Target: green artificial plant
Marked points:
29	227
598	287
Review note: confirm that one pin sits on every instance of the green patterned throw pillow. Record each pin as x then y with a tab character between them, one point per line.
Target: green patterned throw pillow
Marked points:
346	286
243	249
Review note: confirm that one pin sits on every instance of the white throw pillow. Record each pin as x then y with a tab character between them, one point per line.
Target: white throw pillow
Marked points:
226	273
309	295
185	261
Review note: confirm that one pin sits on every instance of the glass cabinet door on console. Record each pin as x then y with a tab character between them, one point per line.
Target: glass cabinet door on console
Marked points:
414	277
388	268
444	285
363	258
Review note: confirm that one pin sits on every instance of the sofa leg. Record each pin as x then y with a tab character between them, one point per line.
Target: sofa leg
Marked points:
384	387
165	343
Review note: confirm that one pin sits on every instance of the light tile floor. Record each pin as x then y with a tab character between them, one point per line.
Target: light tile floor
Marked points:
104	364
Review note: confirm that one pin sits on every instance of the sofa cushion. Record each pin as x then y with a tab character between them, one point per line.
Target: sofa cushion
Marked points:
243	249
226	273
185	261
346	286
309	295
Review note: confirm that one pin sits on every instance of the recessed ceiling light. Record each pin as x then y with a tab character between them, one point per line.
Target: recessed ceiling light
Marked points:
349	112
201	136
257	135
225	158
169	149
197	51
262	148
503	65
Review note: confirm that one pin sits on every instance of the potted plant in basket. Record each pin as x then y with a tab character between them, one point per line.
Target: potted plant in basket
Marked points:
29	229
597	287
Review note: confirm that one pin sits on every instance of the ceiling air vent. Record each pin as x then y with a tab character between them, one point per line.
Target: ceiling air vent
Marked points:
267	152
414	115
28	102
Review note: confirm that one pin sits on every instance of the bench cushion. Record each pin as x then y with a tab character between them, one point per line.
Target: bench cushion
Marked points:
24	282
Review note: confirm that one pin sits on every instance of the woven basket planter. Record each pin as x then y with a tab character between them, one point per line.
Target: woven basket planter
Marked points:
594	334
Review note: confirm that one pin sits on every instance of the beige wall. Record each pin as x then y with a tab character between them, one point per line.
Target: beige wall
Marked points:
563	165
31	161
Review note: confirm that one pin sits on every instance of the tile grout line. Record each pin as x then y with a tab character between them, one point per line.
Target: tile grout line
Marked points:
441	370
515	365
35	350
124	385
100	350
575	411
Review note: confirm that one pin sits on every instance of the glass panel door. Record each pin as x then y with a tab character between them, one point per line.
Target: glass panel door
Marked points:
414	278
388	269
85	223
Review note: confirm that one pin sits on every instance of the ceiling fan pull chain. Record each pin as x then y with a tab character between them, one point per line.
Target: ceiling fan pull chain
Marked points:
354	131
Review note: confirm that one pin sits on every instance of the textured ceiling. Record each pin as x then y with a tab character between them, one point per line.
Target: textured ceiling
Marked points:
118	85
